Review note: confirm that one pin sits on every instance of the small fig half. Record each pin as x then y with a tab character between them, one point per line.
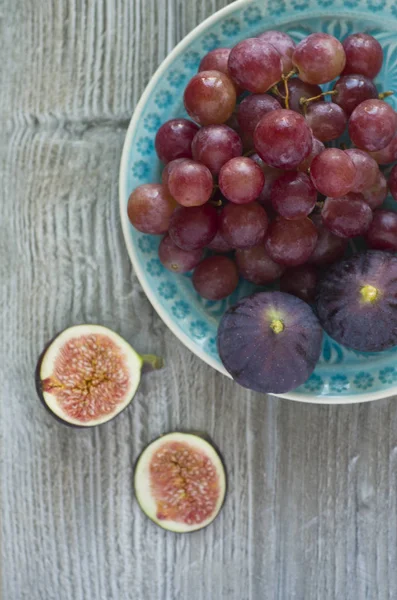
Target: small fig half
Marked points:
88	374
180	482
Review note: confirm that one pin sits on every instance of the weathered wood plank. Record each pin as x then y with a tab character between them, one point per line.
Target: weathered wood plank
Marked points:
311	507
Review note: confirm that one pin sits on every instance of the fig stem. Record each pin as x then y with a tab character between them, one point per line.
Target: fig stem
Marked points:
304	101
151	362
384	95
277	325
369	293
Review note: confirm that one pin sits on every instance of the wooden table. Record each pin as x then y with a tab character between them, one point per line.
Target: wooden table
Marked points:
311	508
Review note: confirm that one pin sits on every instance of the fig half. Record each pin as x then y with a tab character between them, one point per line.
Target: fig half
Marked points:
357	301
88	374
270	342
180	482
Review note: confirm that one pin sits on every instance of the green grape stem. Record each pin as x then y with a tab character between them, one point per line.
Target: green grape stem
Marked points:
384	95
285	78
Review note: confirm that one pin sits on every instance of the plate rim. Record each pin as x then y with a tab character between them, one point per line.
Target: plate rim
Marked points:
125	224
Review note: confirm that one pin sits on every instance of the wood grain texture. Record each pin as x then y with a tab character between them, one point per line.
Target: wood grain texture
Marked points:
311	511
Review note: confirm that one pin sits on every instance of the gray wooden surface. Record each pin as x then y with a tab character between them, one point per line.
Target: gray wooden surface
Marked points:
311	507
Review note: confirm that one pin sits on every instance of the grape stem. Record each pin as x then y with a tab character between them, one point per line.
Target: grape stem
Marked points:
384	95
285	79
212	201
304	101
249	152
277	92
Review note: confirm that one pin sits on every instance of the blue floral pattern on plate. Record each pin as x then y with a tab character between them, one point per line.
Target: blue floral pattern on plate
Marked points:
363	381
140	169
340	373
252	15
191	60
145	146
163	99
180	309
176	78
198	329
154	267
146	244
167	290
151	123
210	42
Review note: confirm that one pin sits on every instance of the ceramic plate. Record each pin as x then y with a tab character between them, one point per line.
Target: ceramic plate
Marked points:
341	375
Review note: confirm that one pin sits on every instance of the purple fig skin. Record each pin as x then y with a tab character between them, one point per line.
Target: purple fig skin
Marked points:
270	342
356	301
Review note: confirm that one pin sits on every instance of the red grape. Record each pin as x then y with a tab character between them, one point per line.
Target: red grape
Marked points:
375	195
301	282
333	172
291	242
293	195
382	234
348	216
319	57
298	90
218	244
255	65
194	227
388	154
174	139
210	98
241	180
190	183
364	55
326	120
393	182
329	247
372	125
150	208
255	265
283	139
366	170
243	225
167	171
216	277
352	90
271	174
214	145
252	109
215	60
317	148
284	45
177	260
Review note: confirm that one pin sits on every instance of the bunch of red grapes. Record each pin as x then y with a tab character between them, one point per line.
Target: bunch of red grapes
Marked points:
250	188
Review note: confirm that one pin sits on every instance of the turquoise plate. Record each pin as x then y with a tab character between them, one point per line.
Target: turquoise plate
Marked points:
341	375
